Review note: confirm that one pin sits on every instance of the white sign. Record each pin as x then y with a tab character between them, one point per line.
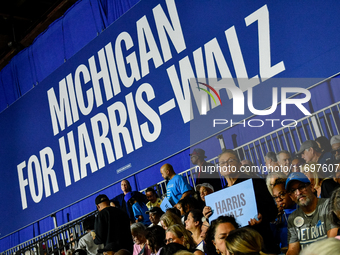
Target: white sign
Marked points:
165	204
237	200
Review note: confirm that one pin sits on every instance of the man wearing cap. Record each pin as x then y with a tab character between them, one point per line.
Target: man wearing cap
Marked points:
335	143
206	172
204	189
155	214
310	222
177	188
311	152
112	225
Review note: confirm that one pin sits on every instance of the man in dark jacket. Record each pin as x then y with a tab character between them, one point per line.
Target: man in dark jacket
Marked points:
119	201
206	172
112	225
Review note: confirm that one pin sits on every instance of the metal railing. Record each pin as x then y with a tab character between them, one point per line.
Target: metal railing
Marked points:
323	122
57	241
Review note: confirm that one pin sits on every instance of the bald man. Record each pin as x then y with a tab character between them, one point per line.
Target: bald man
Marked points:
177	188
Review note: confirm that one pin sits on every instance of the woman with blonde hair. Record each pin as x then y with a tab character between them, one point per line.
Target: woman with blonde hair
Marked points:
311	170
168	219
244	241
178	234
183	253
322	186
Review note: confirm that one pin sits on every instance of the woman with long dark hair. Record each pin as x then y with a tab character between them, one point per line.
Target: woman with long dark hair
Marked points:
217	233
193	223
155	236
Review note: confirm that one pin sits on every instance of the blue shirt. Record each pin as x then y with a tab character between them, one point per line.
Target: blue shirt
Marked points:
325	158
140	209
280	231
176	187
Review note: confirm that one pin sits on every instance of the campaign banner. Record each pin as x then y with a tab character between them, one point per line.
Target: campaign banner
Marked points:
151	85
238	201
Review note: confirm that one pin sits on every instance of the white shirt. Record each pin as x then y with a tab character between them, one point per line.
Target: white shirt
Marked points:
87	243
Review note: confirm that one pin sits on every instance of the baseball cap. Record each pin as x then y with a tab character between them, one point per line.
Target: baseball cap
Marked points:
308	144
335	139
198	152
155	210
296	176
101	198
207	185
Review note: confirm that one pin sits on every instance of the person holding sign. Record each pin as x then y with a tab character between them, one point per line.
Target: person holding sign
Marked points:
177	188
230	168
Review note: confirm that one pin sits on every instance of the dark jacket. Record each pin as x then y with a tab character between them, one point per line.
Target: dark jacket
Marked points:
327	187
120	203
112	225
266	206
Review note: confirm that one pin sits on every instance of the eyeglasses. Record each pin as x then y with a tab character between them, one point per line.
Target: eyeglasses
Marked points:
301	188
228	162
280	196
335	151
170	240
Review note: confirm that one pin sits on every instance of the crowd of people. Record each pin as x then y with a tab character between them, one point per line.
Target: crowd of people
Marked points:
298	209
